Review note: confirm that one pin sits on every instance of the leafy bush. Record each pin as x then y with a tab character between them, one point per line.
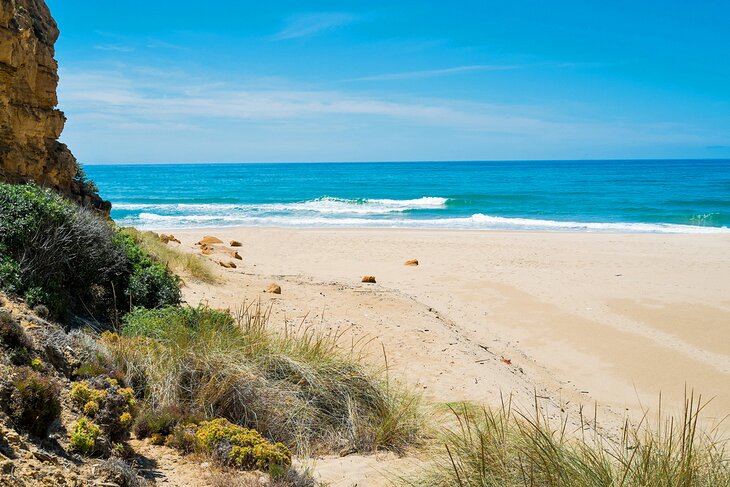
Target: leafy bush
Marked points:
112	407
34	401
160	423
150	284
185	263
69	259
297	388
232	445
86	437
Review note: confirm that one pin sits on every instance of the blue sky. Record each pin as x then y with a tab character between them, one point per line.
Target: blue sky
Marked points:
239	81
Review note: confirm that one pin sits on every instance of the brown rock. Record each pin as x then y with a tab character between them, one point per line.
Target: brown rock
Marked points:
30	124
412	262
230	252
209	240
368	279
168	238
227	265
235	243
273	289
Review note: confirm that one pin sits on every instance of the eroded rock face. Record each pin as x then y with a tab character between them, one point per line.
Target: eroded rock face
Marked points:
30	124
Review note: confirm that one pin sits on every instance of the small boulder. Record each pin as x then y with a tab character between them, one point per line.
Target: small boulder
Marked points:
167	238
368	279
412	262
209	240
273	289
230	252
227	265
235	243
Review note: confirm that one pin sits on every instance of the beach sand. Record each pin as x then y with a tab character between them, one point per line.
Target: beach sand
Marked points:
612	319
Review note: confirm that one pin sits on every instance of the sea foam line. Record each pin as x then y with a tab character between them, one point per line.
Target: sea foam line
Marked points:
324	205
477	221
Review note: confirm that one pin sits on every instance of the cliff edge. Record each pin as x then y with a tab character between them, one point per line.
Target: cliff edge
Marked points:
30	124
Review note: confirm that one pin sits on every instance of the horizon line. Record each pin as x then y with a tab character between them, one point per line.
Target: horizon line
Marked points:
638	159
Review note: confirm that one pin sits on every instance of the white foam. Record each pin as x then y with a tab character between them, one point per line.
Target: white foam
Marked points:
477	221
325	205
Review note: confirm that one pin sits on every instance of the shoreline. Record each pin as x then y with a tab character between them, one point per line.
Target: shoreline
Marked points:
613	318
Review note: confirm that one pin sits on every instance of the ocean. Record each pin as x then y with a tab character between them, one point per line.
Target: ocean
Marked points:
668	196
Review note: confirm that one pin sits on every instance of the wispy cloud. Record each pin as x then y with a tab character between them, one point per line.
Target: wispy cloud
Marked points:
430	73
307	25
114	47
130	103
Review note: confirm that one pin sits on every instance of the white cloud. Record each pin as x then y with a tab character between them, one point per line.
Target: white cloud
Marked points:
114	47
152	114
430	73
306	25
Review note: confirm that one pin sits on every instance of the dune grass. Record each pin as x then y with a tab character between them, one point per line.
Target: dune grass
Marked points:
509	449
184	263
292	385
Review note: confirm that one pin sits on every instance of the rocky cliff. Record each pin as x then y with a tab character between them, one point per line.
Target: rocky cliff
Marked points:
30	124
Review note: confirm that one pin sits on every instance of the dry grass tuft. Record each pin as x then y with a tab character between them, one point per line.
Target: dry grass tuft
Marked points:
294	386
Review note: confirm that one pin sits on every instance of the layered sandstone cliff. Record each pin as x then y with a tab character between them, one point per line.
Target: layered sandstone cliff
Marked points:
30	124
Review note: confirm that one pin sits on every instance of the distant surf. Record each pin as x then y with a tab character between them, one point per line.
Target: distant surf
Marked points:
587	196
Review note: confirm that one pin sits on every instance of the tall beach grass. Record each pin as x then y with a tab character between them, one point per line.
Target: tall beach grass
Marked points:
507	448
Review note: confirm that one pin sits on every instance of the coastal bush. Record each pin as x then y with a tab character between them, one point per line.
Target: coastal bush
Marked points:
111	406
181	262
295	387
86	437
512	449
160	423
150	283
34	401
69	259
232	445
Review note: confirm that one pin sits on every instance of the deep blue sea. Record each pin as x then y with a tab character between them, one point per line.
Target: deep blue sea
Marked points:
624	196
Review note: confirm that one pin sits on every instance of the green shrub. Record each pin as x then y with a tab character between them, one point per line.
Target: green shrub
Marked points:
190	265
34	401
150	284
71	260
233	445
161	422
112	407
85	437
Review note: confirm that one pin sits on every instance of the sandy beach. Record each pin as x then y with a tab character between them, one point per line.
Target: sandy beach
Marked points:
583	319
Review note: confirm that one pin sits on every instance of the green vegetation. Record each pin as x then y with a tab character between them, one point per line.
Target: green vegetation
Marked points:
112	407
231	445
293	387
510	449
160	423
56	254
34	401
85	437
178	261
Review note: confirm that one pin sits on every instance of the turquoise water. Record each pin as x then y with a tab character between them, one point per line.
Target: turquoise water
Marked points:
626	196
